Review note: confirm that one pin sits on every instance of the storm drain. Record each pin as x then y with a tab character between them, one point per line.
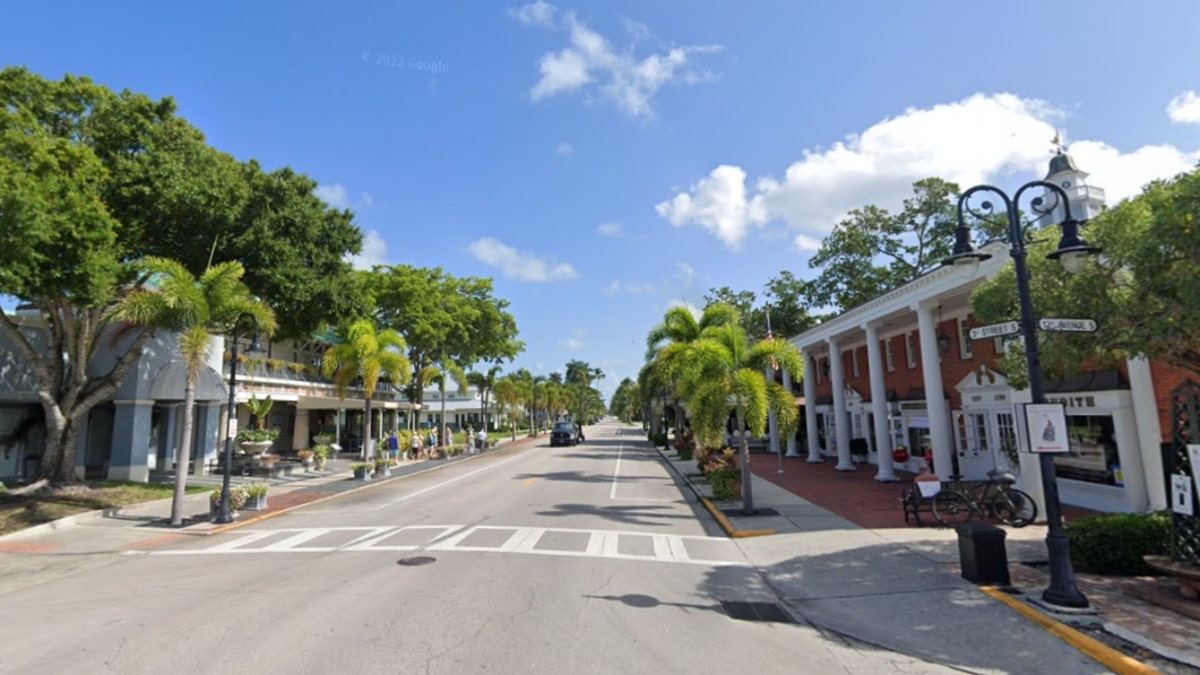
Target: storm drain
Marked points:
756	611
416	560
741	513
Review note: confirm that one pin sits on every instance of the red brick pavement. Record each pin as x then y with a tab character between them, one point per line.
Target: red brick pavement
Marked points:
853	495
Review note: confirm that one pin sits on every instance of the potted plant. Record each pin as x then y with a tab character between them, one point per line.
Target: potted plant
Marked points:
325	435
237	499
256	496
383	467
320	454
900	454
267	460
306	458
362	470
258	440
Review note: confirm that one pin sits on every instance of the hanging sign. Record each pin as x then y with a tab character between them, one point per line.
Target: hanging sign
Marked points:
1046	424
1181	495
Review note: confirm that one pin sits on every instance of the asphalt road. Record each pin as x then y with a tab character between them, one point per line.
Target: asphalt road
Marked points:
588	559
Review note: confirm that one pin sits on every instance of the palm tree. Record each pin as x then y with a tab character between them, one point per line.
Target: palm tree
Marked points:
196	309
485	383
720	374
508	396
368	354
447	369
680	327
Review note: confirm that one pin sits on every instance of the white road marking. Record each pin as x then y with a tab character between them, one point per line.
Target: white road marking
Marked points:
612	494
448	482
668	548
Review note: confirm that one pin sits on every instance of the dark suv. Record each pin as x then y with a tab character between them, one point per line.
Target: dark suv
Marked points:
563	434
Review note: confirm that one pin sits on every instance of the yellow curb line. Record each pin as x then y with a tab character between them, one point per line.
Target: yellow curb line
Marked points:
1107	656
727	526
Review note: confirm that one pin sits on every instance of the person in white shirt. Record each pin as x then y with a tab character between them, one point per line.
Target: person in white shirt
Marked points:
481	440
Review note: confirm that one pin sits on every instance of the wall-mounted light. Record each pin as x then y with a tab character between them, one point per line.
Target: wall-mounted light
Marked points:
825	368
943	340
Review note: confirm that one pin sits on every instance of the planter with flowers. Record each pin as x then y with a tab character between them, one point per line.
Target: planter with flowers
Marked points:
722	471
900	456
256	496
362	470
237	499
258	440
383	467
306	458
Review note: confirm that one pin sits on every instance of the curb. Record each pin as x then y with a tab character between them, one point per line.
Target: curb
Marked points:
730	531
1101	653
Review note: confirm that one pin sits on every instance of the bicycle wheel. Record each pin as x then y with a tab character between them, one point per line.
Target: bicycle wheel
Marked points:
1015	508
952	508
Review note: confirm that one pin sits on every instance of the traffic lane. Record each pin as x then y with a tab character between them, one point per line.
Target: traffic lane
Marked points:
465	612
589	486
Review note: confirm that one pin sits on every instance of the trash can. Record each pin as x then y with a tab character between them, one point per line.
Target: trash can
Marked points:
982	554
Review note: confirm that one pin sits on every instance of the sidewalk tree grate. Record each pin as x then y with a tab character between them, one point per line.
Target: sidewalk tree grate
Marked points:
416	561
756	611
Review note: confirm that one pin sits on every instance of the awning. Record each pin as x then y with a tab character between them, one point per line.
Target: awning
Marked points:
335	403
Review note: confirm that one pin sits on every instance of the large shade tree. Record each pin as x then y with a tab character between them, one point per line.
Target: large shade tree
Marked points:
91	181
442	317
1143	291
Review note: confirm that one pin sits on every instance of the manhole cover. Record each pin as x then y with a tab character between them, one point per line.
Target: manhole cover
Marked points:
755	611
416	560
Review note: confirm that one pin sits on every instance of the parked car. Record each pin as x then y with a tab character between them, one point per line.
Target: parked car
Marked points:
563	434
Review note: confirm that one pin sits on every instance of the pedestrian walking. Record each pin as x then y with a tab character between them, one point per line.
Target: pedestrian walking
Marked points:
481	437
430	441
414	445
393	445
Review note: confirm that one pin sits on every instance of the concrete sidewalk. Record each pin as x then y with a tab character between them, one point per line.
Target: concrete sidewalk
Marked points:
900	587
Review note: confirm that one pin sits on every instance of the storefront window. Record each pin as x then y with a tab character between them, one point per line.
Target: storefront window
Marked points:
1093	456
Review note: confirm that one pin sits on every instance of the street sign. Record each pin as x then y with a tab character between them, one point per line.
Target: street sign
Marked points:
995	330
1068	325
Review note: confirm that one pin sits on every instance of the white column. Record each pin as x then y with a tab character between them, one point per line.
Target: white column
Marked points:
1149	434
772	423
300	429
883	436
841	426
791	441
810	407
935	398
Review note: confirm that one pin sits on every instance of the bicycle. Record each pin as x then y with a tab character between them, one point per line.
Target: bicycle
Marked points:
996	498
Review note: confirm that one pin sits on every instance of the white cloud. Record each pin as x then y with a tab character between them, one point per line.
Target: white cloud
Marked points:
982	138
686	275
334	195
1185	108
696	311
563	149
612	289
630	288
576	342
519	265
804	242
374	252
337	196
717	203
538	13
609	229
629	82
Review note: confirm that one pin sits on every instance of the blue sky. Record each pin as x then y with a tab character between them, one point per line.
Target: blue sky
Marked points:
603	161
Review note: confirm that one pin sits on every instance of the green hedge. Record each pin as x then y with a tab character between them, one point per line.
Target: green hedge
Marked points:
1114	543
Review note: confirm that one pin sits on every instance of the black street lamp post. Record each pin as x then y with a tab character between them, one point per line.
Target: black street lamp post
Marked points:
1071	249
224	515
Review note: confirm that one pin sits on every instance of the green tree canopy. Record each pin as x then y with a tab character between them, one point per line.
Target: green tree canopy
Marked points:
1143	291
873	251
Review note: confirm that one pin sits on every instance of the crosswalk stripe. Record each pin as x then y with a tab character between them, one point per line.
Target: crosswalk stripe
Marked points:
667	548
